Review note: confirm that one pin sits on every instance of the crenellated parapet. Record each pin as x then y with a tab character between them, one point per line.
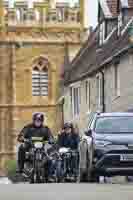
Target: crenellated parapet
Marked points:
41	14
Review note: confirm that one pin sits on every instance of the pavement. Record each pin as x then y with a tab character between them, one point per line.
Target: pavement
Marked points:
67	191
5	180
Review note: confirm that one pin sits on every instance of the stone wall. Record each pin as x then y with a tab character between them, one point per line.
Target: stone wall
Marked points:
124	101
113	103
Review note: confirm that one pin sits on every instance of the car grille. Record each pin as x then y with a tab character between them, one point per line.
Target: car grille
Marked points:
121	151
112	159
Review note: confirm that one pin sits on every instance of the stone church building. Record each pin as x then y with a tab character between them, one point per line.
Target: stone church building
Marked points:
34	38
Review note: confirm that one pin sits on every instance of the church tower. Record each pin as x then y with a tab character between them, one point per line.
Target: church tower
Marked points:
1	14
32	53
82	9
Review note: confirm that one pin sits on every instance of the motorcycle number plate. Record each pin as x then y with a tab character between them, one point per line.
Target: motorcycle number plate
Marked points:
38	145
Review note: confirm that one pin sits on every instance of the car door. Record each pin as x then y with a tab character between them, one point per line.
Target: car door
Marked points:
85	144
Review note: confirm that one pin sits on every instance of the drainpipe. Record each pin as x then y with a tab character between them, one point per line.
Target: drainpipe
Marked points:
103	92
63	101
60	103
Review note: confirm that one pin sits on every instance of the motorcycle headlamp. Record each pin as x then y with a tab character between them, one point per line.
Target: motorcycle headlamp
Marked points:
38	145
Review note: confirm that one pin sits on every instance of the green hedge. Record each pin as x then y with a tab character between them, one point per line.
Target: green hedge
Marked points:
11	166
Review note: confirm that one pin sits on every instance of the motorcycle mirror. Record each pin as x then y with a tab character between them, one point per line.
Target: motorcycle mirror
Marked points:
88	132
51	142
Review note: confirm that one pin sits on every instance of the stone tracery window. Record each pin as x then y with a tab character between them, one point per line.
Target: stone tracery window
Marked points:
40	78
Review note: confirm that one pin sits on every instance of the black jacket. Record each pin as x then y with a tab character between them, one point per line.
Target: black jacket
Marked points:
31	131
68	141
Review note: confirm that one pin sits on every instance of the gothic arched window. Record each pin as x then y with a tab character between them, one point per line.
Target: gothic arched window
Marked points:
40	78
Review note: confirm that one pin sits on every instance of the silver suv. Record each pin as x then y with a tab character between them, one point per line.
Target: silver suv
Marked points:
106	148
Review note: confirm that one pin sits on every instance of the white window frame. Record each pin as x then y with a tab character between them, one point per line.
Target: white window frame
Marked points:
116	81
88	93
71	100
76	86
102	33
120	22
99	86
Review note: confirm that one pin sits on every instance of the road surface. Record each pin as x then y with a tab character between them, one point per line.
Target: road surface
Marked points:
66	192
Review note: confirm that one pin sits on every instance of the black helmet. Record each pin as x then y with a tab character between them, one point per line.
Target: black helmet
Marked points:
67	125
39	116
71	125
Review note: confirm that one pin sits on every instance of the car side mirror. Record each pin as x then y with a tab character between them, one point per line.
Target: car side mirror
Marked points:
88	133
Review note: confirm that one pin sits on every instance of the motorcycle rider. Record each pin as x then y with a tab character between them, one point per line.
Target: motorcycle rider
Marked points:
35	129
69	138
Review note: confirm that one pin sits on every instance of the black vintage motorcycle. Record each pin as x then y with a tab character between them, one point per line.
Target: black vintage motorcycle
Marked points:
67	165
36	164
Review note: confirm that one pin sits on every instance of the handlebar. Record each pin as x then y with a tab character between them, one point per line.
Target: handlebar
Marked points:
26	140
68	151
35	139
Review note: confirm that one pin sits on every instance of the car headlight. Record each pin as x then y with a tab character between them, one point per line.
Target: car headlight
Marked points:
101	143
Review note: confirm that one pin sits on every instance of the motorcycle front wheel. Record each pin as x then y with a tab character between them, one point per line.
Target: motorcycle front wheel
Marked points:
59	172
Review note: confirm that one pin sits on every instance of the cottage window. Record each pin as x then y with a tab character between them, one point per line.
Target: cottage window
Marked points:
120	22
99	81
71	102
120	17
76	100
40	81
116	81
102	33
88	93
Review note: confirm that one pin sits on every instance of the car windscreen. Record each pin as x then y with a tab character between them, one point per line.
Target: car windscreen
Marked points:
114	124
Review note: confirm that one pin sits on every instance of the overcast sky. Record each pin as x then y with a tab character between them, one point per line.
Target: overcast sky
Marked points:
92	12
